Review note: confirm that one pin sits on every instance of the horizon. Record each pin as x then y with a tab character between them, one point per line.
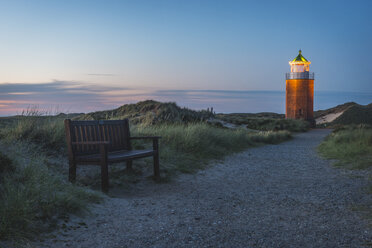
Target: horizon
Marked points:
95	55
221	101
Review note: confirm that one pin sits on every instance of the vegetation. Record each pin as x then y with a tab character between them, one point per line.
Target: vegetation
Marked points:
34	196
243	116
46	131
350	145
187	148
265	122
36	127
34	193
151	112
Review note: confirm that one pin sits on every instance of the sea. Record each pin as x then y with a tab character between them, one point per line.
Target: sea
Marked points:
256	101
220	101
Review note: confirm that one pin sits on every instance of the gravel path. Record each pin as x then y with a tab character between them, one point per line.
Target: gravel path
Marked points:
272	196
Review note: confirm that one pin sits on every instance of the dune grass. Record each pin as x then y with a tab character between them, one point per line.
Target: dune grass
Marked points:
46	131
34	196
350	145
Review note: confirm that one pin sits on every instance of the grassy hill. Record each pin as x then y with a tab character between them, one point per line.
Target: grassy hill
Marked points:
150	112
357	114
353	113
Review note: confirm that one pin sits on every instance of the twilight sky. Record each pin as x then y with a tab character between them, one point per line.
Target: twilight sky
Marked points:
89	55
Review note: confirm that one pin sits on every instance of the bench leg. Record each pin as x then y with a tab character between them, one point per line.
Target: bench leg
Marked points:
129	165
72	171
155	146
156	167
104	177
104	169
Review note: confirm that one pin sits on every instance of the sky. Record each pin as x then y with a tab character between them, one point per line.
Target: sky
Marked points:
81	56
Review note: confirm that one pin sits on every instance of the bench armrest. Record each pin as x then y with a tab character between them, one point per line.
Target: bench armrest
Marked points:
146	137
155	141
91	143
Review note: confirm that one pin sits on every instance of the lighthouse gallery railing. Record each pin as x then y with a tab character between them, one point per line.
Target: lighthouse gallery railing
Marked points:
299	75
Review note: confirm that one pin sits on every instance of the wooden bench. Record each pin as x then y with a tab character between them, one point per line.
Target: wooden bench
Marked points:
104	142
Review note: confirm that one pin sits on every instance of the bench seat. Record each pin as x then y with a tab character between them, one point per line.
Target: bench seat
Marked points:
116	156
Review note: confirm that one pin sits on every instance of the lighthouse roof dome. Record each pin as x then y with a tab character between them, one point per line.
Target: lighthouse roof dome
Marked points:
300	58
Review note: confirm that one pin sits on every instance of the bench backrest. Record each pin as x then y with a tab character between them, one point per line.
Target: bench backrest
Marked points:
115	131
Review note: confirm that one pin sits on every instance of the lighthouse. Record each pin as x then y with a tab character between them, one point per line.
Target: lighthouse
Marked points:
299	92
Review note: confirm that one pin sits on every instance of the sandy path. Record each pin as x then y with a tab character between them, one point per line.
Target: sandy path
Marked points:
272	196
328	118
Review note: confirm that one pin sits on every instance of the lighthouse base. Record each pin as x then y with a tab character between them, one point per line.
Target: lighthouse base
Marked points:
300	99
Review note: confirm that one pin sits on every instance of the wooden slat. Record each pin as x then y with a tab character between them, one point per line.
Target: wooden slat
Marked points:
102	132
111	136
76	138
116	135
121	137
81	135
68	132
97	135
86	137
90	133
83	123
127	135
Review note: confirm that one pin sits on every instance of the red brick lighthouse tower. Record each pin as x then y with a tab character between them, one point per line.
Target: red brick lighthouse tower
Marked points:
300	90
